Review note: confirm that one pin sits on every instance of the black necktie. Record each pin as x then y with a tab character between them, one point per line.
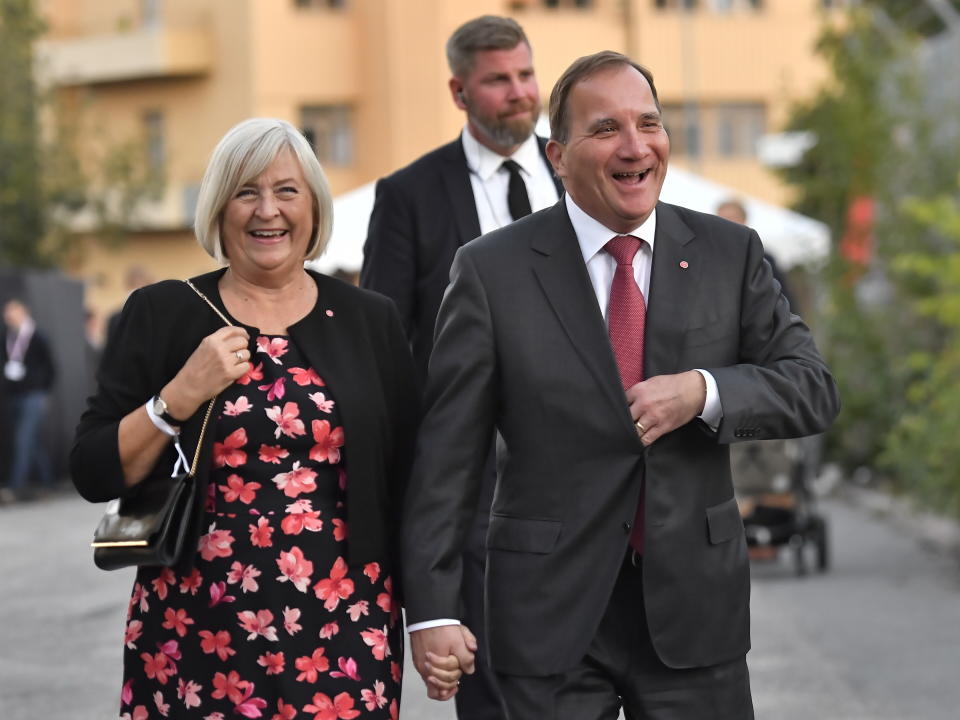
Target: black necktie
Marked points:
517	199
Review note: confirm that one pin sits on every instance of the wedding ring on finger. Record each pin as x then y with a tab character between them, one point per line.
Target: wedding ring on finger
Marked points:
640	428
239	354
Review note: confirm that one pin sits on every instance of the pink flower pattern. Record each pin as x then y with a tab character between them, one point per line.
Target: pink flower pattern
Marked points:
230	637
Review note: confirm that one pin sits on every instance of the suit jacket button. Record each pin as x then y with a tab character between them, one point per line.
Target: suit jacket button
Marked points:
627	526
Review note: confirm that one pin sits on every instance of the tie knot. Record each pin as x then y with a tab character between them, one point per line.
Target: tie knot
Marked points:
512	166
623	248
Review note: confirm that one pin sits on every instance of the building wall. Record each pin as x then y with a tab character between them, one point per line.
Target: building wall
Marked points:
215	62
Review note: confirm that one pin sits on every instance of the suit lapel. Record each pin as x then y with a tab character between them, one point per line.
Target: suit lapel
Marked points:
673	280
456	180
562	274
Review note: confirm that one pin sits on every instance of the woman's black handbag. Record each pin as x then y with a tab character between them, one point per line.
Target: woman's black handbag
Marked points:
150	526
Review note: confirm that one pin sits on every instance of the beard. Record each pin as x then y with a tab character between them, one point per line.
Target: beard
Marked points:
507	130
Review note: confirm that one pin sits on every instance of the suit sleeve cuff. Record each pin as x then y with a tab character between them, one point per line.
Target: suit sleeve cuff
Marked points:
427	624
712	410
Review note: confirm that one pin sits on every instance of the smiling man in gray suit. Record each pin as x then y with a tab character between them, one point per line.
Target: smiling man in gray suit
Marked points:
619	345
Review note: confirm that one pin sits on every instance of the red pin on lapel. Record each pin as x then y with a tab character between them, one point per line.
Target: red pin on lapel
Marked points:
329	313
684	264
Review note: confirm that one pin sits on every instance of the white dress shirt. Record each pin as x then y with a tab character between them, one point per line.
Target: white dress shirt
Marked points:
490	180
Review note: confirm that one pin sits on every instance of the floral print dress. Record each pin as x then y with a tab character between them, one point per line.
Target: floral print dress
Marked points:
272	622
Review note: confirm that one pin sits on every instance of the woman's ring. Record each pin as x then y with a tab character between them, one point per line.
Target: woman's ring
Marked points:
239	355
640	427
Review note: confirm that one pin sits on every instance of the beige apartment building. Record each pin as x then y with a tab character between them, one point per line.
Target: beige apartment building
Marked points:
366	80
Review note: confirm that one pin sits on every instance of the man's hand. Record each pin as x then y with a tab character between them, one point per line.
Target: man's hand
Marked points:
663	403
441	655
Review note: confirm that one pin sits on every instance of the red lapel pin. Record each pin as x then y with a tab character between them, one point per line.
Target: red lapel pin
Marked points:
684	264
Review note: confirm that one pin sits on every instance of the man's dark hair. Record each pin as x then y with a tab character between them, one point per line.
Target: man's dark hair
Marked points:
487	32
580	70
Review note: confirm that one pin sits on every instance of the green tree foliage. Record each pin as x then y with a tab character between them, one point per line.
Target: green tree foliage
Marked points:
44	186
22	223
922	445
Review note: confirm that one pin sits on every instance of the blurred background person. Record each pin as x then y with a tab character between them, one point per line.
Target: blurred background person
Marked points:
28	375
303	465
495	172
734	210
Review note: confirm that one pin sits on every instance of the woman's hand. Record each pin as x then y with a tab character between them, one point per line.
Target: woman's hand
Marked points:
220	359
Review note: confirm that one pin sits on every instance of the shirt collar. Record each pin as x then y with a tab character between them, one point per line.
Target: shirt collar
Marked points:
592	235
485	162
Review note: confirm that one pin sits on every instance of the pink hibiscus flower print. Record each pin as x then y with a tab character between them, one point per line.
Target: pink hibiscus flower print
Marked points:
335	588
273	662
188	691
191	583
250	706
246	575
228	686
132	634
258	624
290	618
237	489
273	453
311	666
239	407
340	708
274	348
348	669
372	571
261	534
162	582
216	543
158	667
320	400
394	709
162	707
377	640
139	713
176	620
218	594
385	602
139	597
228	452
328	442
284	711
339	529
374	698
298	480
275	390
254	374
359	608
301	516
219	644
306	376
288	421
329	630
295	568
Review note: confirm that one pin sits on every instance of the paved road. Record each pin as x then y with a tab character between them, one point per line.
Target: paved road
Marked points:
877	638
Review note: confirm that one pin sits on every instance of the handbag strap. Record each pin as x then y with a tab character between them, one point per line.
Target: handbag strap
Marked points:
206	417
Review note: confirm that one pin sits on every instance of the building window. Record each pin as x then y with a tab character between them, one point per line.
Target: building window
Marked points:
566	3
150	12
676	4
725	6
738	128
329	129
154	139
683	125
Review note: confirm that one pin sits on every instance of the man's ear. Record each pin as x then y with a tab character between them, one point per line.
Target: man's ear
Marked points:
556	154
456	91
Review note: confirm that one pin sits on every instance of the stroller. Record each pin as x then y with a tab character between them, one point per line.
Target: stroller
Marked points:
772	480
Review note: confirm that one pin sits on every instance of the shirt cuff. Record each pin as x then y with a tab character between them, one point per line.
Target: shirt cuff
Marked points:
712	409
427	624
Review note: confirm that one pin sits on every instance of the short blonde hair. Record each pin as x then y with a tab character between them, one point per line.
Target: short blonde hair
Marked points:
242	154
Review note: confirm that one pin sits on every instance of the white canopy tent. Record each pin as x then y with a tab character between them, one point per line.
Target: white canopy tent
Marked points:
791	238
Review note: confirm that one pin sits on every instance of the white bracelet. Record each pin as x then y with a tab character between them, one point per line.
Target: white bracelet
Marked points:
159	422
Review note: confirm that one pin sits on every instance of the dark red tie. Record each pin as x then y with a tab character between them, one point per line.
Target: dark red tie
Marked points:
626	319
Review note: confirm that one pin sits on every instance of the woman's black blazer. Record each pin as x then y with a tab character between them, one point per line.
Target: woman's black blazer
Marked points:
352	337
